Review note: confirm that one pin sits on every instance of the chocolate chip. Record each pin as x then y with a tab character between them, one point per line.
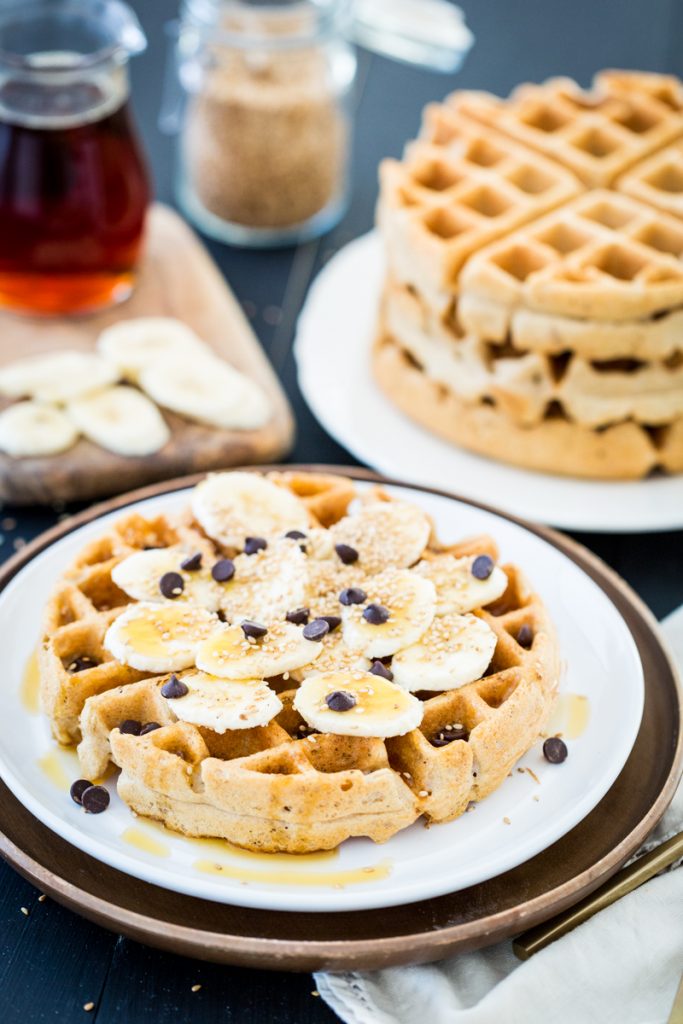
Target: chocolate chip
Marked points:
340	700
295	535
254	544
378	669
131	727
376	614
353	595
192	563
299	616
316	630
95	799
347	554
448	734
150	727
223	570
333	621
81	663
174	688
525	636
78	788
171	584
482	567
555	750
254	630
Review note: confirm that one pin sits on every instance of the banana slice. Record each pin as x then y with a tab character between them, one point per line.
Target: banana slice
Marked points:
232	655
30	429
399	608
232	506
384	534
266	585
222	705
133	345
457	588
335	656
57	376
208	390
456	649
159	637
121	420
146	576
368	705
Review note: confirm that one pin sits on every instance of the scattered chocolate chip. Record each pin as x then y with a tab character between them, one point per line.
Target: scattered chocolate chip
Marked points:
333	621
378	669
254	544
81	663
555	750
352	595
316	630
150	727
448	734
295	535
223	570
340	700
78	788
171	584
347	554
95	799
174	688
482	567
299	616
525	636
131	727
192	563
253	630
376	614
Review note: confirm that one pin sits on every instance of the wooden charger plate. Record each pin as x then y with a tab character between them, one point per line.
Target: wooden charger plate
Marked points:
176	278
419	932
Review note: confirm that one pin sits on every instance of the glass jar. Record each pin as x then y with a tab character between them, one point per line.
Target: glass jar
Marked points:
73	185
265	137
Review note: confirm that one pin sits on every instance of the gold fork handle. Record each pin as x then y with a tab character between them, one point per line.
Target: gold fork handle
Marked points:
625	881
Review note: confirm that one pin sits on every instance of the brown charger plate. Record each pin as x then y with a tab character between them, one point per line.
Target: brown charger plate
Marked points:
418	932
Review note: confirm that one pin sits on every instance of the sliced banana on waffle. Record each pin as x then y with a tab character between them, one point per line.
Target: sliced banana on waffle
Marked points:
458	590
222	704
157	575
456	649
132	345
383	534
335	656
357	704
232	506
122	420
159	637
31	429
57	376
233	654
266	585
399	607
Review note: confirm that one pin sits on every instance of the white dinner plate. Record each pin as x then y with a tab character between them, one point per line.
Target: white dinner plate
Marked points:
333	343
513	824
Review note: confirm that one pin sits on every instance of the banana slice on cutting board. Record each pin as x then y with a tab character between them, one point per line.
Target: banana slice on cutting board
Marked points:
159	637
399	607
57	376
357	704
266	585
231	654
132	345
458	590
222	704
157	576
383	534
121	420
32	429
232	506
208	390
456	649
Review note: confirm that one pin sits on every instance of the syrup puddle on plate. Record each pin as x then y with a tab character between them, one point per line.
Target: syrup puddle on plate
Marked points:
30	686
61	766
570	717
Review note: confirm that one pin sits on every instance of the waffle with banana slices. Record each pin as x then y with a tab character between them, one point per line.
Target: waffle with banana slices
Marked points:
290	661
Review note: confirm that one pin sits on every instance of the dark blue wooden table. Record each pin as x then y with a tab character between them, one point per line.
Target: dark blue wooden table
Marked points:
52	962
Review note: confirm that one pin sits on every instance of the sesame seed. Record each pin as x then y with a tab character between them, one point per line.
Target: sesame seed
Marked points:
88	1007
507	821
42	897
24	911
195	988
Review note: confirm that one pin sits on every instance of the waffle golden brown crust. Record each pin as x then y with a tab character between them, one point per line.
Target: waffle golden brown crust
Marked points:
285	786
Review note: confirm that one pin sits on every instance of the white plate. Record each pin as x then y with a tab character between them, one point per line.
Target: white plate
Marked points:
332	348
600	656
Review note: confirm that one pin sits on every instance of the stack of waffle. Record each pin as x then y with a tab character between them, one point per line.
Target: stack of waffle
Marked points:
533	304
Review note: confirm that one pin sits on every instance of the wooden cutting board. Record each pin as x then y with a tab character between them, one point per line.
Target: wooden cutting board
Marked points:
177	278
